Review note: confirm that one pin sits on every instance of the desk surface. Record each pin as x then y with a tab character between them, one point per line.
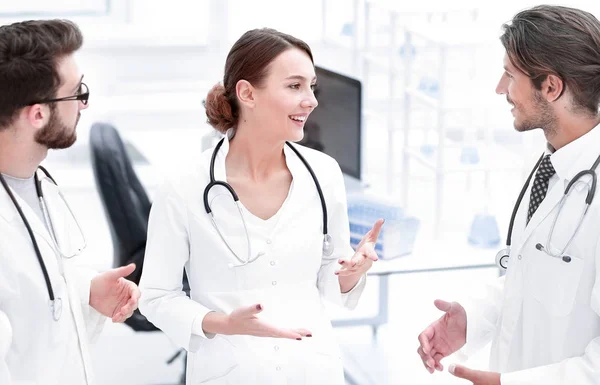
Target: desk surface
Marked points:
437	256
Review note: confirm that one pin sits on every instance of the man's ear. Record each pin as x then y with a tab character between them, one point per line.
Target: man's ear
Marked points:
245	93
553	87
37	115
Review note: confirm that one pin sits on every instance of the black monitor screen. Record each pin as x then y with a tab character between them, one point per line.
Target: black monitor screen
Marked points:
334	127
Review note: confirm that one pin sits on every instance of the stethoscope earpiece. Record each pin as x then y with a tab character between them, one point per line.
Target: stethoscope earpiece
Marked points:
503	255
565	258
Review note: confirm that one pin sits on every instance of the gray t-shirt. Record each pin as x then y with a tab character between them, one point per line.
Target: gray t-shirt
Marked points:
25	188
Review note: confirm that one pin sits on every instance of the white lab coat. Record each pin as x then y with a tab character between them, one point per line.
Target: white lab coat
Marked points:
35	349
544	315
289	279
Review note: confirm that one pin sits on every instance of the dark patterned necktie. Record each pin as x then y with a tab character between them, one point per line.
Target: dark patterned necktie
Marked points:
540	185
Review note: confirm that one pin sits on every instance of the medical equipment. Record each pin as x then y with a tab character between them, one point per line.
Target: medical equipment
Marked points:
396	238
503	255
327	243
55	303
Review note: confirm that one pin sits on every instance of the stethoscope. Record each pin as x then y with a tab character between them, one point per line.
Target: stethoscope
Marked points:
55	303
327	243
503	255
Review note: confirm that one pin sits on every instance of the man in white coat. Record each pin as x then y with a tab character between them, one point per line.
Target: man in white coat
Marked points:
50	308
543	316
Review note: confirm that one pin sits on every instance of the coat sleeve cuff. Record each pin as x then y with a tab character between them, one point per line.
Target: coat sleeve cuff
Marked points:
350	299
177	317
94	321
476	336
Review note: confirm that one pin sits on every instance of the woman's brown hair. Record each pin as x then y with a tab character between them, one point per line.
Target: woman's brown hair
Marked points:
248	59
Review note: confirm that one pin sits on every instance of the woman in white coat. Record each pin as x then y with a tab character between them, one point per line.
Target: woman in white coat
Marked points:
543	316
259	273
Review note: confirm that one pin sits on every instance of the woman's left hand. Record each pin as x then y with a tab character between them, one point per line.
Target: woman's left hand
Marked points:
365	255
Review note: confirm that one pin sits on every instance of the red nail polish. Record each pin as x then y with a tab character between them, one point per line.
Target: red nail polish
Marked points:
309	335
258	307
298	339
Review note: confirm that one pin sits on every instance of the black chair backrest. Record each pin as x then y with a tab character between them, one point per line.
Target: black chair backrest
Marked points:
125	201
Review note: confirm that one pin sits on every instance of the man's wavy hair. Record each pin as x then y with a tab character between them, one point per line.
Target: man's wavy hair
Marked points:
553	40
29	54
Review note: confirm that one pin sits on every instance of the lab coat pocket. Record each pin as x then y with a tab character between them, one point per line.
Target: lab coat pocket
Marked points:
213	363
554	282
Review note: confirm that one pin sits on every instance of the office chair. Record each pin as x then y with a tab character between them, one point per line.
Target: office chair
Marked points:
125	203
127	208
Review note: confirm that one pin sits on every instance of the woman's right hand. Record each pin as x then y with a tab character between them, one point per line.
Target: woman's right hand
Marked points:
244	321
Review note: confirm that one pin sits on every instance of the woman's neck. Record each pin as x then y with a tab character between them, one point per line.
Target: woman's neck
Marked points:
253	156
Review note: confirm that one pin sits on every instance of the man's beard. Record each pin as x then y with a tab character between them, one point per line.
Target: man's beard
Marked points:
544	117
55	134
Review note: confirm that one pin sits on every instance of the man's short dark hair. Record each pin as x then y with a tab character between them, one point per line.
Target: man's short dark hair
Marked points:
553	40
29	54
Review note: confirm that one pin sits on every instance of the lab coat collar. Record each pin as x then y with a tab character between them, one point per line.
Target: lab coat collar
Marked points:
9	212
7	209
577	156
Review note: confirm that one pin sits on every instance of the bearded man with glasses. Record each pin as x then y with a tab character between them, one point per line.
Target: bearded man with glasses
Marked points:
50	306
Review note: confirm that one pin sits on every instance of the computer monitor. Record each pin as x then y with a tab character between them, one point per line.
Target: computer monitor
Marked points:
334	127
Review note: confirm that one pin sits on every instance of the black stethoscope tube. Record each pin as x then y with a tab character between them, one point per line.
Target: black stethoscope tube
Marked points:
36	247
214	182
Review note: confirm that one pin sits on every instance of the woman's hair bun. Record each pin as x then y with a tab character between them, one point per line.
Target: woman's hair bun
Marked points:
218	109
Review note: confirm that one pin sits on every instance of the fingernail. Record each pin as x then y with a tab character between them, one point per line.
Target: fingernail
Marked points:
309	335
337	273
342	262
258	307
451	368
383	222
298	339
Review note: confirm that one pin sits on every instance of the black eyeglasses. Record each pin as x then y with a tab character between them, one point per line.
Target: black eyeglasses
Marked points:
83	95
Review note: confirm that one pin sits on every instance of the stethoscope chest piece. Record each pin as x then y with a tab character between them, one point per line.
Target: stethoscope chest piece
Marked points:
56	308
502	258
327	245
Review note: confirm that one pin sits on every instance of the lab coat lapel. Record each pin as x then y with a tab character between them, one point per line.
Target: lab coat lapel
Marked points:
546	207
10	214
